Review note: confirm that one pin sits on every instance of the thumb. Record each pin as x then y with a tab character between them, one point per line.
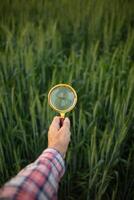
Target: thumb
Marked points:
55	123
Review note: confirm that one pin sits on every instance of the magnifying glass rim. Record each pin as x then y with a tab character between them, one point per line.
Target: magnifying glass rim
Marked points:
75	98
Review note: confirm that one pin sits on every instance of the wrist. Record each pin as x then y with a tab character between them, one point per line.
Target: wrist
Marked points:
58	149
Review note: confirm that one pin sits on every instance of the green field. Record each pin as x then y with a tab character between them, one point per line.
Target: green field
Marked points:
90	45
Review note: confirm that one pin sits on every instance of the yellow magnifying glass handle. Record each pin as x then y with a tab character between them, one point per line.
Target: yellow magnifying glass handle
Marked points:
62	119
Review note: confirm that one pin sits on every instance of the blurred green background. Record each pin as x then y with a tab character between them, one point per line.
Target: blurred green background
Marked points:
90	45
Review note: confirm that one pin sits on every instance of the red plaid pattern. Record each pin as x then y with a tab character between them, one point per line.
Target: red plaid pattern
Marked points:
37	181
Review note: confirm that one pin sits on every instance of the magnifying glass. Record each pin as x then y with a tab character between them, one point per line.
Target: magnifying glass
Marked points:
62	98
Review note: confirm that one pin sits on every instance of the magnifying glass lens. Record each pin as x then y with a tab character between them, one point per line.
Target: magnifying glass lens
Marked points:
62	98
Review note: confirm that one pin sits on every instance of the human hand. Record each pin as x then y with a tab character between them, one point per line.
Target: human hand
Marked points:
59	137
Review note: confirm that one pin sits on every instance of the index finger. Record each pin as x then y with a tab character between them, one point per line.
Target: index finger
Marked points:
66	123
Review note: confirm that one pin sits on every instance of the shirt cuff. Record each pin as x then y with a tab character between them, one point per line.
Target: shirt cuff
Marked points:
55	157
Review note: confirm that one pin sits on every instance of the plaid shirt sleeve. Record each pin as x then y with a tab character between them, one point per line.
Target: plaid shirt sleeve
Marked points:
38	180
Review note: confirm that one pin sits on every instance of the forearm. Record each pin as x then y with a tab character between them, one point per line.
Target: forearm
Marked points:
38	180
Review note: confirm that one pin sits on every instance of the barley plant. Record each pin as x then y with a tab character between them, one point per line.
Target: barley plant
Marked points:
90	45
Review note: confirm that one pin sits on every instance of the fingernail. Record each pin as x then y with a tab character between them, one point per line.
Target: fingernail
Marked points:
56	117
